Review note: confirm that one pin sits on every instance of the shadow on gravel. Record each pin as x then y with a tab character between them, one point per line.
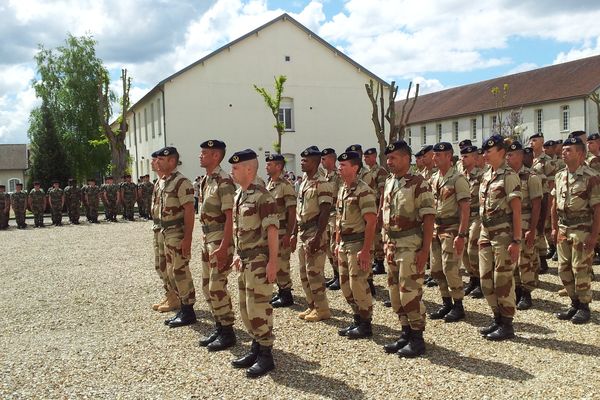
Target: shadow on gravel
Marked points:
452	359
550	287
297	373
565	346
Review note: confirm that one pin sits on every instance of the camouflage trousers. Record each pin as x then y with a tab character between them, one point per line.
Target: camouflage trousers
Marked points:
178	267
332	244
128	207
214	284
284	280
255	292
575	264
111	209
526	273
497	274
160	261
141	207
378	253
74	212
405	285
445	266
56	210
353	281
3	219
541	243
470	257
311	275
38	216
20	217
92	212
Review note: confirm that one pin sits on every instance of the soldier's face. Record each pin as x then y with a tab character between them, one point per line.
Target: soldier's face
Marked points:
493	156
397	162
347	170
240	172
419	162
549	151
428	158
370	159
469	160
593	146
55	185
514	159
18	188
273	168
572	155
328	162
308	164
442	159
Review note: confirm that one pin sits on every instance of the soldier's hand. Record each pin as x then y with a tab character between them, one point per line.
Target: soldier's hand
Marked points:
285	241
221	256
530	237
421	259
186	248
293	243
459	245
364	259
237	263
590	243
514	250
554	235
271	271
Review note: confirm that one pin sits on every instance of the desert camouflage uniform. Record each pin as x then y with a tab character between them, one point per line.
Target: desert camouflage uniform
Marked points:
215	197
594	163
545	167
18	202
38	203
129	196
405	201
334	179
55	198
428	173
73	202
353	203
253	213
498	188
380	175
470	258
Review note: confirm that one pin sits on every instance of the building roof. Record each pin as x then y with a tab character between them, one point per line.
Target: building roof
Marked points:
282	17
13	156
561	82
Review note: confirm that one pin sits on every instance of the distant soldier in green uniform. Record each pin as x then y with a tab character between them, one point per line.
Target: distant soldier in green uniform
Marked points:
19	203
73	197
4	207
37	204
128	194
255	224
328	161
139	197
147	190
111	197
83	194
56	198
576	225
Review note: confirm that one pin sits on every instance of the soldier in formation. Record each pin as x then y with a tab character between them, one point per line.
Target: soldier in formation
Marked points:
328	161
19	202
111	197
73	196
4	207
56	199
91	199
128	195
37	204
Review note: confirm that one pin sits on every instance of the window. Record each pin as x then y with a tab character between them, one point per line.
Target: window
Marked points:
12	184
147	167
493	121
139	126
438	129
152	119
158	114
146	123
285	113
565	118
473	129
423	134
409	136
539	120
455	131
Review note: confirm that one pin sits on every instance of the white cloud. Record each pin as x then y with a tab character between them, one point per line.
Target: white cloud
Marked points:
575	54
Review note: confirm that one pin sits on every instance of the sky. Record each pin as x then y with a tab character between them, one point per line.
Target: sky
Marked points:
437	43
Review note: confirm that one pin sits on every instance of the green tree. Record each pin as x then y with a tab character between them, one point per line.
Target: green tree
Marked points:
273	102
67	82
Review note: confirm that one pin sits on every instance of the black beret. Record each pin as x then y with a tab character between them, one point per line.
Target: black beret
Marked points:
311	151
398	145
493	141
243	155
528	150
559	141
536	135
468	149
480	151
576	134
154	154
442	147
549	143
327	151
36	183
213	144
354	147
167	151
465	143
275	157
594	136
349	155
424	150
370	151
514	146
572	140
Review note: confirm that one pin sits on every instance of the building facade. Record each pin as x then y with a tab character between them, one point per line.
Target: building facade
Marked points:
13	165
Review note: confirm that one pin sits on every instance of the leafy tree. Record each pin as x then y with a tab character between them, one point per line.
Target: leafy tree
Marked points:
509	125
273	102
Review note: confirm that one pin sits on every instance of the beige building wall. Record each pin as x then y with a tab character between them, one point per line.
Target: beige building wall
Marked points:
9	177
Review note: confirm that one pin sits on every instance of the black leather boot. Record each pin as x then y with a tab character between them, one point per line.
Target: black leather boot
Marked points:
477	293
354	324
457	313
543	266
275	297
525	301
446	308
225	340
555	256
248	359
363	330
551	251
518	293
335	285
504	331
371	287
491	328
205	341
402	341
470	286
335	276
378	267
582	315
285	299
264	363
187	317
415	346
167	321
569	312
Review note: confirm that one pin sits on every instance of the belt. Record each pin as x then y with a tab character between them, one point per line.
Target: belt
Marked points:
447	221
307	225
212	228
489	222
404	233
253	252
353	237
168	224
282	223
575	220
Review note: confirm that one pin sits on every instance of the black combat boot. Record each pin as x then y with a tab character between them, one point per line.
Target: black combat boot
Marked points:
445	309
354	324
569	312
378	267
431	283
518	293
543	265
415	346
285	299
457	313
264	363
335	285
187	317
525	300
504	331
225	340
402	341
205	341
596	260
477	293
471	285
491	328
551	251
371	287
333	279
167	321
275	297
555	256
582	315
363	330
248	359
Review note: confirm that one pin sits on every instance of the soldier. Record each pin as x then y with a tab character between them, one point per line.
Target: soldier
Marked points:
310	232
593	144
73	201
328	161
4	207
215	203
531	201
37	204
285	199
92	200
459	164
380	175
128	195
500	240
56	198
424	159
560	164
256	243
356	222
408	215
83	196
19	203
176	218
576	225
111	197
470	259
196	185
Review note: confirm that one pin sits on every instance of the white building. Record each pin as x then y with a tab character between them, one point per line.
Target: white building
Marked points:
325	102
554	100
13	165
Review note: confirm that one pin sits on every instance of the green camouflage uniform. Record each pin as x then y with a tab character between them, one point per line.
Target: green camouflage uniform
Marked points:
147	190
38	203
73	202
216	197
19	205
470	258
92	202
111	206
406	200
353	203
55	198
129	191
4	205
335	181
254	212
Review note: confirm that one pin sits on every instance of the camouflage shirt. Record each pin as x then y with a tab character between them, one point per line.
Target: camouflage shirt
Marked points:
367	176
18	201
353	203
55	195
380	175
531	188
215	197
498	188
594	163
129	190
334	179
111	191
73	195
174	192
285	197
4	201
448	191
155	207
428	173
545	167
91	195
312	193
147	189
253	212
474	179
37	199
576	195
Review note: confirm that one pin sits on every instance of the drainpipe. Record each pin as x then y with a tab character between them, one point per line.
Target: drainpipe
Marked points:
137	172
585	121
162	90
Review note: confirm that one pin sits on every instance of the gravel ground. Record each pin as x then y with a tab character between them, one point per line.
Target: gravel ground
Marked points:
76	323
